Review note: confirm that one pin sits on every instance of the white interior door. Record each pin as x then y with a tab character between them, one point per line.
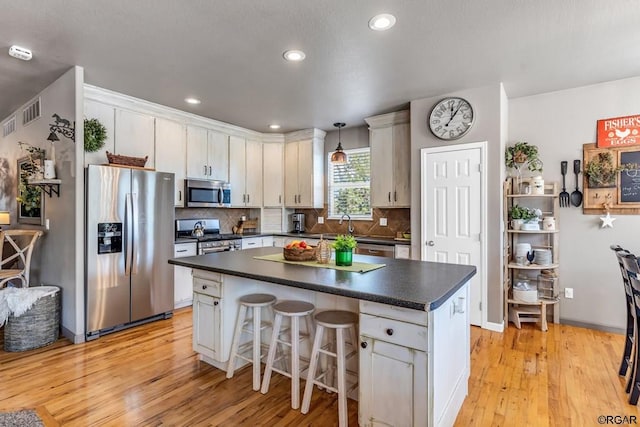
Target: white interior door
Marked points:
452	214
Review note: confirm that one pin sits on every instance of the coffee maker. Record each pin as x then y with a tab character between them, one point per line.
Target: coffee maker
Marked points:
297	223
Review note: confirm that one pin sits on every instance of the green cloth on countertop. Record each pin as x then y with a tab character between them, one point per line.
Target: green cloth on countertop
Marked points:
356	267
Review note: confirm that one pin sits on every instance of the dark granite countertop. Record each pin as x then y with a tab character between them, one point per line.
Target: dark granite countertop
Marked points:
377	240
418	285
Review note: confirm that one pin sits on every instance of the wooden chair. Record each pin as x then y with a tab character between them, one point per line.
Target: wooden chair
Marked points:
630	263
22	242
628	345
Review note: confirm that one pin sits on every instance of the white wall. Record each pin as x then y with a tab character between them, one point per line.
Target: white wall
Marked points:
559	123
487	103
55	260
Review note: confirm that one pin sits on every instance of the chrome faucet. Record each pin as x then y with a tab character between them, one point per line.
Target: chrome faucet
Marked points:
350	226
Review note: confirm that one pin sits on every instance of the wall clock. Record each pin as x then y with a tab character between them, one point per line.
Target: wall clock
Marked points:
451	118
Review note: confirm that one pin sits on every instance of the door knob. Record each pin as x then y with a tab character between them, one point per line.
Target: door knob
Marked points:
431	243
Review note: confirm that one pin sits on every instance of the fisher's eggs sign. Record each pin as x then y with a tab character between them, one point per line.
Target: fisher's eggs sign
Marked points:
619	132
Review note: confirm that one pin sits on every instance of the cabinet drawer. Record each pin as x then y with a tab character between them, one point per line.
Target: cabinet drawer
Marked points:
207	287
393	331
184	249
207	275
397	313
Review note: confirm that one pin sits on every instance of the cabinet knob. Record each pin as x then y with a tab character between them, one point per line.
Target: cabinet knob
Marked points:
363	344
216	302
389	331
204	287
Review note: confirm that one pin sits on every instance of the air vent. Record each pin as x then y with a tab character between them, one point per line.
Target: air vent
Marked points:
31	112
9	127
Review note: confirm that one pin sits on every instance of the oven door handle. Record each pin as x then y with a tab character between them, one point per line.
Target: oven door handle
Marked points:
214	250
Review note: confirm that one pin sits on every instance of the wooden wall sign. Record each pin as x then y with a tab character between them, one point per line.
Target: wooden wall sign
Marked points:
618	132
621	196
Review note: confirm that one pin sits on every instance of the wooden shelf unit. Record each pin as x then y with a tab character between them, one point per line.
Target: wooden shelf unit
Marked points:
548	239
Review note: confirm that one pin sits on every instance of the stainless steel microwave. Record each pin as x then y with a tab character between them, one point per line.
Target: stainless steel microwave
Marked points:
202	193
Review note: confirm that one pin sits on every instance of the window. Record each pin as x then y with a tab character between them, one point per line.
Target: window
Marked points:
349	185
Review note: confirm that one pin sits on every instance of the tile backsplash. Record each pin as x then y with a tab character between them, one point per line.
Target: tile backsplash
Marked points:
228	217
398	220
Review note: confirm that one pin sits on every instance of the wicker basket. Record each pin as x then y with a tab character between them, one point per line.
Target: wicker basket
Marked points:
299	254
117	159
37	327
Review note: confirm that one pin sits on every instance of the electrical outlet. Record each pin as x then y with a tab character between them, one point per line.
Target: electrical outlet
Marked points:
320	220
46	223
568	293
383	222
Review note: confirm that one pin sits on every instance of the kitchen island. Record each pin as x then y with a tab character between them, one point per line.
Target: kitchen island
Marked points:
413	325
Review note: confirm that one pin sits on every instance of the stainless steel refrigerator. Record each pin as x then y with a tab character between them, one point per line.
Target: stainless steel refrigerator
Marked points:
129	238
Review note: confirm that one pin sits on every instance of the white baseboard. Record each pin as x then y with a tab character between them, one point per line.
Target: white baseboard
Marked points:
496	327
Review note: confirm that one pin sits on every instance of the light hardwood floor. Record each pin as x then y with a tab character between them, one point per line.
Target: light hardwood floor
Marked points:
149	375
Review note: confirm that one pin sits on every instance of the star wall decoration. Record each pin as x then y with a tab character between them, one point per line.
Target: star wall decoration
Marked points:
607	221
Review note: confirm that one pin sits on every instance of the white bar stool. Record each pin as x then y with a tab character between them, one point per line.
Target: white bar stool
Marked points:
254	326
294	310
339	321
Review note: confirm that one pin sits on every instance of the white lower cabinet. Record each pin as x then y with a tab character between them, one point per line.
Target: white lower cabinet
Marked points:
392	380
414	369
182	283
251	242
207	318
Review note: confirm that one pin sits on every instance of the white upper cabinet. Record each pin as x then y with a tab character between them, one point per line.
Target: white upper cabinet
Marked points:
105	115
304	177
197	148
245	172
207	154
218	155
273	172
135	135
171	153
389	138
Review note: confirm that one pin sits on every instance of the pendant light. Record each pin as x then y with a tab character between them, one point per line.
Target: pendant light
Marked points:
339	156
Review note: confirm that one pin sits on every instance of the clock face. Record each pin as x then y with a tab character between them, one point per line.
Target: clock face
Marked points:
451	118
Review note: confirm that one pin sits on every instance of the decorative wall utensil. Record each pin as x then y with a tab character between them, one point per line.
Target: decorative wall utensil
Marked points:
564	195
576	196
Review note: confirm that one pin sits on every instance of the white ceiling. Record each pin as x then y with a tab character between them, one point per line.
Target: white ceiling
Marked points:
228	53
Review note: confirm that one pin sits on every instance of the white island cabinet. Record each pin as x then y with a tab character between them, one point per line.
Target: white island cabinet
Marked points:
414	344
409	359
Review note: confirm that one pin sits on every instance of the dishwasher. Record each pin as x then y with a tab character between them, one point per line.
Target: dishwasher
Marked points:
375	250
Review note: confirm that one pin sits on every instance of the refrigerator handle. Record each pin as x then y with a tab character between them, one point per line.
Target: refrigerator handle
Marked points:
134	234
129	230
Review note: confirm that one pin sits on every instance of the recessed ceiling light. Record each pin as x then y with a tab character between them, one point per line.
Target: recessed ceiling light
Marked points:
382	22
274	126
192	101
294	55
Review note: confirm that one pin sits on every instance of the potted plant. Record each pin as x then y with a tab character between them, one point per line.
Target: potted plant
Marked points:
344	246
521	214
600	171
522	153
94	135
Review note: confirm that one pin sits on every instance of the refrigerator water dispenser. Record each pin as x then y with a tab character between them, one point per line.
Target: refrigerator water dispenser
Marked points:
109	237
